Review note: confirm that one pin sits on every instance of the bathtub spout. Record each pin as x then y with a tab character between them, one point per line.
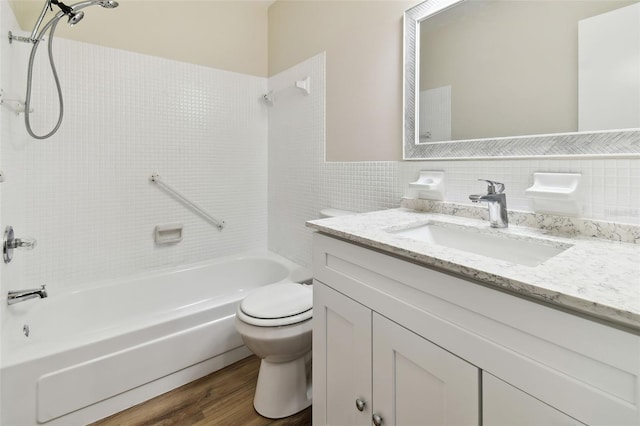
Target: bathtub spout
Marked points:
16	296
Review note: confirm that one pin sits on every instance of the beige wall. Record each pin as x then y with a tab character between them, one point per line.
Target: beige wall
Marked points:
229	35
363	44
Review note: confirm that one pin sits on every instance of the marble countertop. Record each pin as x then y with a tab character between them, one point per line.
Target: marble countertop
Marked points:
596	277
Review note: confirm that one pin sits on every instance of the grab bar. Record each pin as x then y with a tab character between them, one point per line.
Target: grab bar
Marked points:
155	178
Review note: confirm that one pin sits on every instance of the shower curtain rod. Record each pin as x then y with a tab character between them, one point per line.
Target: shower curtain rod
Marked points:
155	178
304	85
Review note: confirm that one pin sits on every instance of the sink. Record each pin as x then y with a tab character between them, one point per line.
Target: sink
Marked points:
525	251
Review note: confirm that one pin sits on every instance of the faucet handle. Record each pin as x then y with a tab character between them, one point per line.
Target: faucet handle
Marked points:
25	243
494	187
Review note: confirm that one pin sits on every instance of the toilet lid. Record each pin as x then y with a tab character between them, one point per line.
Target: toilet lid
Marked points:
278	301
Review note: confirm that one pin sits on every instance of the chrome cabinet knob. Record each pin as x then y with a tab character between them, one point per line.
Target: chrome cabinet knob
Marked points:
377	420
360	404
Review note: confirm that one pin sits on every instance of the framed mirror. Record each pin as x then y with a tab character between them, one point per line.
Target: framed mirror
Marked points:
527	78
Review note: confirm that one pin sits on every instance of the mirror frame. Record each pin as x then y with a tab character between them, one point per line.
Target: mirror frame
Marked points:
606	143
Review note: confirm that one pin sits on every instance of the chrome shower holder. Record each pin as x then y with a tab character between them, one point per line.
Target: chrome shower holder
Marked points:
21	38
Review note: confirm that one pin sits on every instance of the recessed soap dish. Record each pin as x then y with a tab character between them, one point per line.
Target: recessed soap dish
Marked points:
168	234
430	185
555	193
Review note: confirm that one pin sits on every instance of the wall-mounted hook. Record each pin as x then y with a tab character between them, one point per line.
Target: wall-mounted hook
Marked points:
304	85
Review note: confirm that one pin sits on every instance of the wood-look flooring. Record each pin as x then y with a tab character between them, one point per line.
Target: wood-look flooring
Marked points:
221	398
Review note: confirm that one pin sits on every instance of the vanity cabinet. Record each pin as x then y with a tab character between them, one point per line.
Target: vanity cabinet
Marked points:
376	371
504	405
420	346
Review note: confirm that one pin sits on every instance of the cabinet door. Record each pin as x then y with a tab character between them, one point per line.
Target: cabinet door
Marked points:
416	382
505	405
341	359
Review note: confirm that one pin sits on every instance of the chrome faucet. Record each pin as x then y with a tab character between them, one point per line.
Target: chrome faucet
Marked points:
16	296
496	200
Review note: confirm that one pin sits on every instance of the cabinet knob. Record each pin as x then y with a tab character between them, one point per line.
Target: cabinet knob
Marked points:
377	420
360	404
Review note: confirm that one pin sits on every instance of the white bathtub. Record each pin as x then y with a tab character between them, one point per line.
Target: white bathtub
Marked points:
91	353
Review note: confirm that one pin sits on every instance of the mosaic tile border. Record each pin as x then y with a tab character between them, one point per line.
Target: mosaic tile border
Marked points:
618	143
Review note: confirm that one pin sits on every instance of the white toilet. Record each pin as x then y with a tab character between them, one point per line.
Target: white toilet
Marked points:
275	324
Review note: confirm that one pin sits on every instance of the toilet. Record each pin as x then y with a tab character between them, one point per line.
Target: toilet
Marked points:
275	324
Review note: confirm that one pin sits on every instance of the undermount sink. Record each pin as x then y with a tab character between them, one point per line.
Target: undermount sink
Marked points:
524	251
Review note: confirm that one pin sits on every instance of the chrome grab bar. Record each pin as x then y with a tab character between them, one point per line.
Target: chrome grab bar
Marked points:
155	178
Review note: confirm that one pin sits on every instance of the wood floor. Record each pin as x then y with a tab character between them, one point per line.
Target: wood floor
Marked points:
222	398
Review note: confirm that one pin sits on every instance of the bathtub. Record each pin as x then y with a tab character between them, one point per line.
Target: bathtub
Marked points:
93	352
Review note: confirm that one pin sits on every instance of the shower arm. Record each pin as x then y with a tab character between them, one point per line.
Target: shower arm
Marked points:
47	5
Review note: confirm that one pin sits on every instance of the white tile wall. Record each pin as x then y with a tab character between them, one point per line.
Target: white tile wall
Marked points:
611	187
85	193
296	150
361	186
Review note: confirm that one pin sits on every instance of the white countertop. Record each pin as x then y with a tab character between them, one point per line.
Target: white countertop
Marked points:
596	277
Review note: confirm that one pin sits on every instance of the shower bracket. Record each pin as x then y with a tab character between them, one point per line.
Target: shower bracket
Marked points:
21	38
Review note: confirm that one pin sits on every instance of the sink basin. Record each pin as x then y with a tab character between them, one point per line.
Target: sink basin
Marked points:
525	251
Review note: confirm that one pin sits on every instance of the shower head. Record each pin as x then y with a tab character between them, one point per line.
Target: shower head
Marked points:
72	12
75	17
109	4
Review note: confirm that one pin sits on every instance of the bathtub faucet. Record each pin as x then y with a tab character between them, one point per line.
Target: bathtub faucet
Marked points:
16	296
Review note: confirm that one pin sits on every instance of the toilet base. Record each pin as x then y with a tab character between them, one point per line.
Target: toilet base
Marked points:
283	388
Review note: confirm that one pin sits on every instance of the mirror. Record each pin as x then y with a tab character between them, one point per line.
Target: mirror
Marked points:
500	78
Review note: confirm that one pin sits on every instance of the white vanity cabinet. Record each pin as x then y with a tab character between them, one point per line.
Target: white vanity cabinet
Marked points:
504	405
376	371
419	346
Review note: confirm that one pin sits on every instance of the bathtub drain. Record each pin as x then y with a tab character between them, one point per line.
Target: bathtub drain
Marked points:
25	330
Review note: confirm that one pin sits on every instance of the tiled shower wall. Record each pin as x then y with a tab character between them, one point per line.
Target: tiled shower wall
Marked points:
296	147
85	193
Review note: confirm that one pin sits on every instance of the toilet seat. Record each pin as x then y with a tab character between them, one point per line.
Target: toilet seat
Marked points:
277	305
